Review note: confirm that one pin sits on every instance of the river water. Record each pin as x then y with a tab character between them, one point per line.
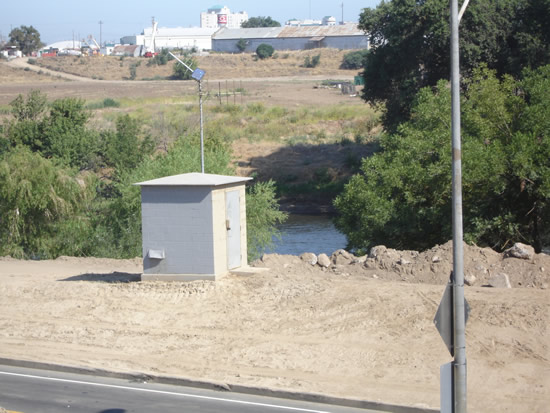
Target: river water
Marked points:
308	233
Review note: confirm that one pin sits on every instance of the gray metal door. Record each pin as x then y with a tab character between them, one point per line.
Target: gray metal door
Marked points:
233	225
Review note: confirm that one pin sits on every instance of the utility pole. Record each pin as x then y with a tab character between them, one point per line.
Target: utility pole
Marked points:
100	32
342	22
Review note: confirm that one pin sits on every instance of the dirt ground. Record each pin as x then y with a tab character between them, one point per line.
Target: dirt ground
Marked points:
359	329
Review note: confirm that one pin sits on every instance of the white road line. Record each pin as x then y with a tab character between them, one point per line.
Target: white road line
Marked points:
165	392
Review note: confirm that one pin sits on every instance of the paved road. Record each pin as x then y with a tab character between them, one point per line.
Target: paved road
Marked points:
27	390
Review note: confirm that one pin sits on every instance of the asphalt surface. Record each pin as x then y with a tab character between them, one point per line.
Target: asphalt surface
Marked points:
28	390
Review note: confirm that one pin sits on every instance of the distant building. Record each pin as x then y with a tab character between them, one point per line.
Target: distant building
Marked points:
220	16
326	21
107	50
10	52
347	36
199	38
329	21
127	50
173	38
62	48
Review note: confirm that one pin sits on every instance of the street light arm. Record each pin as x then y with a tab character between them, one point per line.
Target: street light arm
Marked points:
175	57
462	10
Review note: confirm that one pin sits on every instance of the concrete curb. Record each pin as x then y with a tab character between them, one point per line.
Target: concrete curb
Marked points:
219	386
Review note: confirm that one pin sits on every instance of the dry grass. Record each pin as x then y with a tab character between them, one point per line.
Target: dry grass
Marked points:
216	65
17	75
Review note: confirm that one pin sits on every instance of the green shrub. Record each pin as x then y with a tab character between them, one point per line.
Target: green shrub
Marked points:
36	196
180	72
312	62
263	51
354	60
262	216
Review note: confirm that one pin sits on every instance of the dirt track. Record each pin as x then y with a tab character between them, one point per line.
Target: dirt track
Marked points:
347	331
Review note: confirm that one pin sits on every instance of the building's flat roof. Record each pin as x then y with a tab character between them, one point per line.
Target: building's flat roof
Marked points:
194	179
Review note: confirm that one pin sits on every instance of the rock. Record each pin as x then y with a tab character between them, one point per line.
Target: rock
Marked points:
374	276
370	263
522	251
481	269
341	257
323	260
377	251
435	258
469	279
359	260
403	261
309	257
500	280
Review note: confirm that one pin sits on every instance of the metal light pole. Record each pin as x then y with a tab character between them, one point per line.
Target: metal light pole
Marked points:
202	128
100	32
459	317
196	74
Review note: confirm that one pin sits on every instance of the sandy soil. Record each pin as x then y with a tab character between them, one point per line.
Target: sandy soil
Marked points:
356	329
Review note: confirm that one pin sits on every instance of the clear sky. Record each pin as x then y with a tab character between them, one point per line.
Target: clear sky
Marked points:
57	20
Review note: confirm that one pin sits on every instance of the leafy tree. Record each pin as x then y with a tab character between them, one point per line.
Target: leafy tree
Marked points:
60	132
25	128
65	136
35	196
128	146
411	46
263	216
260	21
241	45
264	51
180	72
354	60
26	38
402	198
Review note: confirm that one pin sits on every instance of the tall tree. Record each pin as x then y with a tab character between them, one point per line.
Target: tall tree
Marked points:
411	46
260	21
26	38
402	198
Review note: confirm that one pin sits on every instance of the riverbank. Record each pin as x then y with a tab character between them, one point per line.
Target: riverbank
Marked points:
357	329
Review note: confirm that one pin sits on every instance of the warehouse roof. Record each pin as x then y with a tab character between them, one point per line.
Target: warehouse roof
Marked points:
180	31
289	31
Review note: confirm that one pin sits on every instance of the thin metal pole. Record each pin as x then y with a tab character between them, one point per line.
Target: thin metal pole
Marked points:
459	344
202	129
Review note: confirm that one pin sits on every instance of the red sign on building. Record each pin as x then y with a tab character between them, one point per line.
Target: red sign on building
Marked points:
222	19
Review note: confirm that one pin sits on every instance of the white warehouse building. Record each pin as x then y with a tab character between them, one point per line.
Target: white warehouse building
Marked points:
173	38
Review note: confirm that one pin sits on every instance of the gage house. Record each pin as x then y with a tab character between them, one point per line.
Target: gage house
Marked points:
193	226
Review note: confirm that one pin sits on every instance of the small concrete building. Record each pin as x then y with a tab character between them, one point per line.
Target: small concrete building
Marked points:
193	226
